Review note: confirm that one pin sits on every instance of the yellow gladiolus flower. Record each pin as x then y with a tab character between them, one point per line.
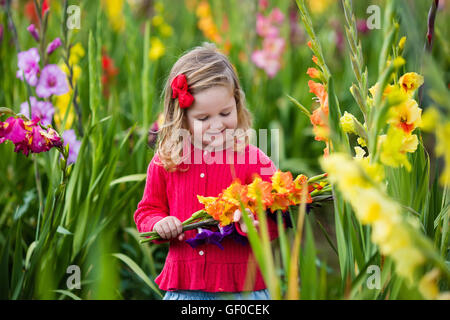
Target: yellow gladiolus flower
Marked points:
401	43
406	116
62	102
347	123
361	142
166	30
157	49
114	12
394	146
76	53
410	81
390	231
443	149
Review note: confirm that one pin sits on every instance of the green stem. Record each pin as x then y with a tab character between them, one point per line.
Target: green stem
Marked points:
155	236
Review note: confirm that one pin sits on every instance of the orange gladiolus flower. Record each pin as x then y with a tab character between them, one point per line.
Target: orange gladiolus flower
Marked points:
265	191
282	182
313	73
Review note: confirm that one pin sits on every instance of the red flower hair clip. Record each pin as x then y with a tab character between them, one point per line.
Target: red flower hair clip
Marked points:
180	91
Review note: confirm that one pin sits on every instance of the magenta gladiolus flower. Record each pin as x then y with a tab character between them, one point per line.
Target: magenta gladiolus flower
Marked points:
361	26
52	81
14	130
52	46
39	109
28	63
32	29
28	136
74	145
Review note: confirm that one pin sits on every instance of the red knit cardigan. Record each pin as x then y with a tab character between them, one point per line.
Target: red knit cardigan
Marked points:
207	267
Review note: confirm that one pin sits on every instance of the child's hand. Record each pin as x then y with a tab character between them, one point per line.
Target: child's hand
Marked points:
238	218
169	228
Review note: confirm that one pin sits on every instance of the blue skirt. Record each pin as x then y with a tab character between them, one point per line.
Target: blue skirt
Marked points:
202	295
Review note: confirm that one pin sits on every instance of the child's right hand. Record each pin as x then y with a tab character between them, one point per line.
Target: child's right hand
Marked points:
169	228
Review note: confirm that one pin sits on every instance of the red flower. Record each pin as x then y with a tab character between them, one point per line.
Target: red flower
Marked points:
30	10
109	72
180	90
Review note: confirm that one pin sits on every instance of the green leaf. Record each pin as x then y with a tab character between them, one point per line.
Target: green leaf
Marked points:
139	272
68	293
130	178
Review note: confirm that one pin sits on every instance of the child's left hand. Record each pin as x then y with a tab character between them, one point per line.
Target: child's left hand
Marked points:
239	219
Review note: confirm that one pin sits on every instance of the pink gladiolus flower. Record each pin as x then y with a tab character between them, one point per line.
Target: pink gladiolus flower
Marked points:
264	60
264	27
32	29
39	109
52	81
52	46
276	16
28	63
263	4
274	46
74	145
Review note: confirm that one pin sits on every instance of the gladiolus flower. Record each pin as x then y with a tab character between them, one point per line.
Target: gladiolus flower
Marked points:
39	109
410	81
13	130
28	136
32	29
406	115
315	60
347	123
264	189
313	73
394	146
28	63
52	81
52	46
157	49
282	182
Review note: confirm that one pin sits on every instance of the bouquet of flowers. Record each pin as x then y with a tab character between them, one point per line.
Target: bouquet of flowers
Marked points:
283	191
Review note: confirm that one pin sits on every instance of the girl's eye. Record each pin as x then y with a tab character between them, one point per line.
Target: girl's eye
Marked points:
225	114
203	119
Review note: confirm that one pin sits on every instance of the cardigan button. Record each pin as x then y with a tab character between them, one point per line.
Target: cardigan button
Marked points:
201	252
202	175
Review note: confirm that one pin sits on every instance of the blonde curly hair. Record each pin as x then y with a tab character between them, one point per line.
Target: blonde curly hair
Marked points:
204	67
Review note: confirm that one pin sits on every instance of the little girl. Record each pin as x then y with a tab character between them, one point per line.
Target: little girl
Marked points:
200	153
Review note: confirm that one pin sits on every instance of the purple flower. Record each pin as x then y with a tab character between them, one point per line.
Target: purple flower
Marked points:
52	46
52	81
1	32
28	63
216	237
39	109
32	29
74	145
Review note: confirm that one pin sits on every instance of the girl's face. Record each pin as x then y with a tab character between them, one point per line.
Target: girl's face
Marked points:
212	113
